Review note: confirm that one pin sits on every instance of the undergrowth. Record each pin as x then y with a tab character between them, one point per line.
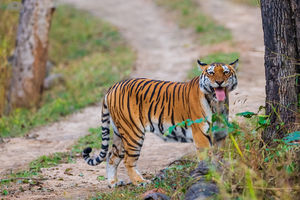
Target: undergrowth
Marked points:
173	181
189	15
92	140
89	54
249	168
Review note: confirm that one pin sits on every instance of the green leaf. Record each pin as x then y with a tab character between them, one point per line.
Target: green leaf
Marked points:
171	128
214	117
190	123
246	114
100	178
263	120
214	128
181	124
199	120
5	192
292	138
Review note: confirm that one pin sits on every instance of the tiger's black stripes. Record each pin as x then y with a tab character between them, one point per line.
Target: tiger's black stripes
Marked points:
134	106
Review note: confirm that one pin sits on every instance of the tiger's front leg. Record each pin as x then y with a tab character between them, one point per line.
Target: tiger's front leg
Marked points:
202	142
134	175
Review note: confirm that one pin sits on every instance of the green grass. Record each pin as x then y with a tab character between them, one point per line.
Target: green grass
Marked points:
75	34
8	28
92	140
175	183
255	3
50	161
32	174
34	168
264	172
215	57
189	15
91	58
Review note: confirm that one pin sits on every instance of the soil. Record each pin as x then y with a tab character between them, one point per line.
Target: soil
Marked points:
164	52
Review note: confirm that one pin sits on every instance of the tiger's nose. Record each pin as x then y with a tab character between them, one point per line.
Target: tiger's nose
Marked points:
219	82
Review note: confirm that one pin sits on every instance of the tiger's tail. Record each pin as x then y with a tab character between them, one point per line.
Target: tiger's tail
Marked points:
105	119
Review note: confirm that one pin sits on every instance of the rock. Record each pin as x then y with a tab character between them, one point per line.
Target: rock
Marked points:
155	194
201	170
201	190
53	79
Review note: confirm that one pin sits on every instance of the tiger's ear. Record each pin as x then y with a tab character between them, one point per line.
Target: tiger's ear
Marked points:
201	65
235	64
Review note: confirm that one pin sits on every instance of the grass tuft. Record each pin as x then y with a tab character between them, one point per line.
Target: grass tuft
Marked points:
92	140
254	3
188	15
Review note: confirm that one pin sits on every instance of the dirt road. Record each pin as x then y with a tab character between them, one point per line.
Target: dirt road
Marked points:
164	52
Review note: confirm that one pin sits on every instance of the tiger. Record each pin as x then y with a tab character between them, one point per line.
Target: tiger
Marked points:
138	105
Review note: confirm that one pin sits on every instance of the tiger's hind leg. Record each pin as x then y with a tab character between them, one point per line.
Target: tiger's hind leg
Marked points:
114	158
132	154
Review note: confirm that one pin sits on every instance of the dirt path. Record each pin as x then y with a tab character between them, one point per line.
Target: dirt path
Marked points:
164	52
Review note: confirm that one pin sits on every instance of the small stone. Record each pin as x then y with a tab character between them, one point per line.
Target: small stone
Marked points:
201	190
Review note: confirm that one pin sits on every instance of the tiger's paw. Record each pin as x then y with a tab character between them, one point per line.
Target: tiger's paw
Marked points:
114	184
144	183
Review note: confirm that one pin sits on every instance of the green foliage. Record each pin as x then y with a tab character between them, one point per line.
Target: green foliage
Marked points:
100	178
49	161
92	140
215	57
8	29
187	122
4	192
175	183
189	15
255	171
75	34
250	170
292	138
29	176
246	114
85	78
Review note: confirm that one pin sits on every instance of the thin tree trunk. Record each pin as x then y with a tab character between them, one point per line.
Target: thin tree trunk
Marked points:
30	56
281	38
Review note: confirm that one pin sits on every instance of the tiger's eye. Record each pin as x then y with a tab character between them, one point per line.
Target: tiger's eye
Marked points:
210	72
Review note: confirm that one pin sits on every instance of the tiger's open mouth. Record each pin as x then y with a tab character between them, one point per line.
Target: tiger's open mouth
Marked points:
220	93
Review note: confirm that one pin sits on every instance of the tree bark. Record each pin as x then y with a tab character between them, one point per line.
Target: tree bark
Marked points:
282	44
30	56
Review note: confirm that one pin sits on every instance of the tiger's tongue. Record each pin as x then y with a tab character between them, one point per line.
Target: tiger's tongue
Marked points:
220	93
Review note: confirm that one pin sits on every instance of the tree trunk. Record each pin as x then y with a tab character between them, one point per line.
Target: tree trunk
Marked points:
282	44
30	56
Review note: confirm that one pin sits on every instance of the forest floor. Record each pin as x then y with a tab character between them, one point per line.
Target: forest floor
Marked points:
164	51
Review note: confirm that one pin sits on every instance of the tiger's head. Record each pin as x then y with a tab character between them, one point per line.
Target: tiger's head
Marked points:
218	79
